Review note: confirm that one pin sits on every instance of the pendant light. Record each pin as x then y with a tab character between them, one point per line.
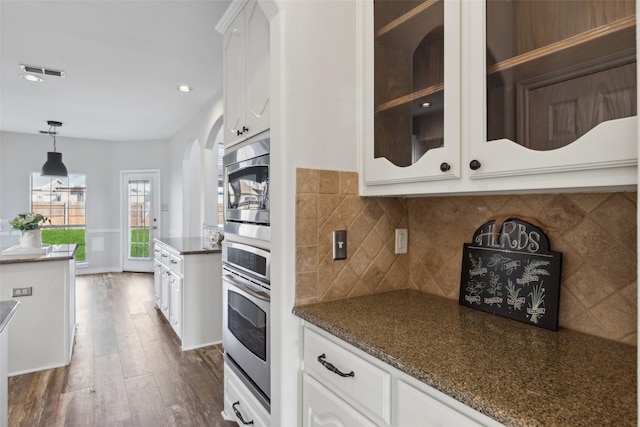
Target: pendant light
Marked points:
54	166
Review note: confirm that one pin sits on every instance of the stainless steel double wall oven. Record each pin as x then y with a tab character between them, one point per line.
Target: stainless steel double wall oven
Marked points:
246	270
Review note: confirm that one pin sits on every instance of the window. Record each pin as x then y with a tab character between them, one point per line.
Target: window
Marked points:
62	200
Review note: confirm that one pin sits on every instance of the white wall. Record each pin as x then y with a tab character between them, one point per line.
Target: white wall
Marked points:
101	162
313	82
199	129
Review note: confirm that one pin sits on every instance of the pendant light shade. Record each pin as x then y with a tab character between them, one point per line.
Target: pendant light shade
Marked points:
54	166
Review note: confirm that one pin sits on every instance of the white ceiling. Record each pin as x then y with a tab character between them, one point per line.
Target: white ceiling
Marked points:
123	61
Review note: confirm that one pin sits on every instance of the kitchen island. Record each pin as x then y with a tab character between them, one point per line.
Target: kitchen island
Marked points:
517	374
7	310
42	332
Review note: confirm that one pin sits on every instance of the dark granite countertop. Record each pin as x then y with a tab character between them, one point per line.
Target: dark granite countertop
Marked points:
190	245
58	253
7	310
517	374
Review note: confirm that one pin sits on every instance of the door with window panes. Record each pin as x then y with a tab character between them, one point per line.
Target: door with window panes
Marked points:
140	221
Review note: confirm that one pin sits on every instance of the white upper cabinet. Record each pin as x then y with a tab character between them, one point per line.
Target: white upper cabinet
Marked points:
412	90
558	86
526	95
245	30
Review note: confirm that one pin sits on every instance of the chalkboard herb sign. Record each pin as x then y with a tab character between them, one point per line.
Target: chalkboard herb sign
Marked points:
512	273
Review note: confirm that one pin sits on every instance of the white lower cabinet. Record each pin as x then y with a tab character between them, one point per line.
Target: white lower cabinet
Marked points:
175	314
157	281
348	387
240	405
188	291
347	374
164	292
322	408
418	408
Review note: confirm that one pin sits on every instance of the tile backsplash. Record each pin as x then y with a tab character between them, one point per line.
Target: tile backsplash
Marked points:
596	232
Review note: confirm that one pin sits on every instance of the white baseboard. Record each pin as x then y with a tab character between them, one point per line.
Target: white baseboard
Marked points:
83	271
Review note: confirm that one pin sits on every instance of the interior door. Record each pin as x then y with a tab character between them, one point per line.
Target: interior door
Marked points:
140	224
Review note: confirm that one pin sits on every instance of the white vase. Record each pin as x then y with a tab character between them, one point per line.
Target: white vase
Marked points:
31	239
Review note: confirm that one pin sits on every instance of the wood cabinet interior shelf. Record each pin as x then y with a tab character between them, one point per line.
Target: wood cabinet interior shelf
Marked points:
605	37
557	69
409	79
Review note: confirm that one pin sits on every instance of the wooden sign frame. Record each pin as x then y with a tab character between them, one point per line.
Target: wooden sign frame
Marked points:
512	273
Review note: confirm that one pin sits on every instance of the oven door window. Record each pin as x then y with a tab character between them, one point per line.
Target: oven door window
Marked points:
248	323
248	188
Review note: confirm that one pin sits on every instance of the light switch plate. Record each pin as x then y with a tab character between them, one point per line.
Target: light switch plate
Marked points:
340	244
402	237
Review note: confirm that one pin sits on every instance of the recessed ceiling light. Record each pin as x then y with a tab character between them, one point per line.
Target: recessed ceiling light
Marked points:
32	78
425	105
184	88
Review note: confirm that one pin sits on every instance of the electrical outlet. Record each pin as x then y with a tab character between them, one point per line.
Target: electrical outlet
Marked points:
340	244
22	292
402	237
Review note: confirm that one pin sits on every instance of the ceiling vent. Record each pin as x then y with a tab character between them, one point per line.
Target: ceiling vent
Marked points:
41	70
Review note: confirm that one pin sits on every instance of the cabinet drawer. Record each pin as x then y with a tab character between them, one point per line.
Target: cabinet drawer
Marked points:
368	388
157	251
175	263
165	255
238	400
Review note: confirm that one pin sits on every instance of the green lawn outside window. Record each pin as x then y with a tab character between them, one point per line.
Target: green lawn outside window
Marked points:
140	243
59	236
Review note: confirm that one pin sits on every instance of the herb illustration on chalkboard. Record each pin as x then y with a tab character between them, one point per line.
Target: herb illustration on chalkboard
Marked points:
514	265
476	266
532	271
503	263
513	296
474	288
537	299
494	290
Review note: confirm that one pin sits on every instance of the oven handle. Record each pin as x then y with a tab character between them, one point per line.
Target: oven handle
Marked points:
247	289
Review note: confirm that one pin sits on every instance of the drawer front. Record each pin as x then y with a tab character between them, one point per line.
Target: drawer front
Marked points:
239	400
369	387
175	263
418	408
157	251
165	256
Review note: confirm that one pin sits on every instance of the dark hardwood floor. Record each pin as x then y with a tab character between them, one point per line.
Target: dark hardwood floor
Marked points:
127	367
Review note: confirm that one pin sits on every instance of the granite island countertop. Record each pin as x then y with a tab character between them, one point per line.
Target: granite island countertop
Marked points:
517	374
190	245
58	253
7	309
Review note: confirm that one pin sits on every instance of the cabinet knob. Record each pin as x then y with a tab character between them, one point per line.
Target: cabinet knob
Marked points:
444	167
238	133
245	129
474	165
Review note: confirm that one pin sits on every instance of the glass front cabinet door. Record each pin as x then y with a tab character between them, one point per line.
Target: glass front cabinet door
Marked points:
413	87
557	90
498	95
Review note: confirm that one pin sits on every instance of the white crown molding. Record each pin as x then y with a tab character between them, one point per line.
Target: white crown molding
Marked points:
229	15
